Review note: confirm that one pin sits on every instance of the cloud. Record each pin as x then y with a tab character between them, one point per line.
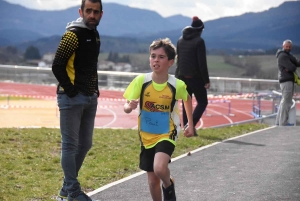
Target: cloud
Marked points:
204	9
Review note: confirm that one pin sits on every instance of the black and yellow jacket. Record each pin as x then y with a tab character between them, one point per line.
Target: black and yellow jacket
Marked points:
75	62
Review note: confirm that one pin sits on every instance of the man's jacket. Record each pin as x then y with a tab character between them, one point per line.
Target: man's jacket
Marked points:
287	65
75	62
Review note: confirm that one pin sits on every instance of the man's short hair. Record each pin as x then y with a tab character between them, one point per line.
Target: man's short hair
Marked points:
167	45
93	1
287	41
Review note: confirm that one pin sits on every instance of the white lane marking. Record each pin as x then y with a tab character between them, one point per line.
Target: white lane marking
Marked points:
222	115
201	124
114	119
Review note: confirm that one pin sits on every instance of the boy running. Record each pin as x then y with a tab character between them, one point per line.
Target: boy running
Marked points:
157	94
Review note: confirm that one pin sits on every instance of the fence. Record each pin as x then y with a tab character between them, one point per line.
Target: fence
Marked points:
114	79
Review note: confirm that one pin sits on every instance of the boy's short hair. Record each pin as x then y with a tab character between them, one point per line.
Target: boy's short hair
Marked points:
166	44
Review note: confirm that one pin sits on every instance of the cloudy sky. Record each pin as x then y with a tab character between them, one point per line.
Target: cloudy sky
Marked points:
204	9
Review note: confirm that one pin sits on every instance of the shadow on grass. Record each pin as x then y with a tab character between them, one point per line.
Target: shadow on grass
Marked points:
211	138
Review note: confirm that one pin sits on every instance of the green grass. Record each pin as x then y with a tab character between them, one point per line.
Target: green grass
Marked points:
30	158
217	68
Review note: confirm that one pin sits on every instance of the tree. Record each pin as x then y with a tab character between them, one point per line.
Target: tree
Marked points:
114	57
32	53
11	50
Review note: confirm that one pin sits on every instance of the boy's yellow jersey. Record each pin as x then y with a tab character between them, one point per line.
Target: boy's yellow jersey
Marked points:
159	116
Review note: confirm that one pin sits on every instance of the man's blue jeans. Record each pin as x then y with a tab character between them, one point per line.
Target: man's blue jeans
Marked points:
77	117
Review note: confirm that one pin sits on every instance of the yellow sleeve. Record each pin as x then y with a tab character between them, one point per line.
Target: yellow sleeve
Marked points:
181	92
133	91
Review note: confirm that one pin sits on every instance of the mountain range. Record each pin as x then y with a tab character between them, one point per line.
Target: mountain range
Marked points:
127	29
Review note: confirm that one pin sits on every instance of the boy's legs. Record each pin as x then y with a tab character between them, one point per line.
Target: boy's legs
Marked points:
162	158
155	161
154	186
161	169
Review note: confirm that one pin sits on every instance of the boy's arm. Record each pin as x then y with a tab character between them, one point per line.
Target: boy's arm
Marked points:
189	131
130	105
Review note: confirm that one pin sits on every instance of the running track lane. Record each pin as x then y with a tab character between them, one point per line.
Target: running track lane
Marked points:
110	108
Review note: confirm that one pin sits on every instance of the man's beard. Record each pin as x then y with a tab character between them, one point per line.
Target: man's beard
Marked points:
89	25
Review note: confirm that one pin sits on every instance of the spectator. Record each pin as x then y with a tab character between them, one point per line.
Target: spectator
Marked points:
192	67
287	65
75	68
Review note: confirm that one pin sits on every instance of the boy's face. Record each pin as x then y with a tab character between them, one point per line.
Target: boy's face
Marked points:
159	61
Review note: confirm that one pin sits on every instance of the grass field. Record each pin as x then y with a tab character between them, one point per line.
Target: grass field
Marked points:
30	158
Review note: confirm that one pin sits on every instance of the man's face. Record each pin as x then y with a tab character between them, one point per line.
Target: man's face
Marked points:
91	14
287	47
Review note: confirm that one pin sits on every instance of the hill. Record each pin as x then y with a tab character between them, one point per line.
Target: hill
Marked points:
262	30
127	29
118	20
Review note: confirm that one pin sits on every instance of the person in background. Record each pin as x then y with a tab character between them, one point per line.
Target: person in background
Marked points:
157	94
192	67
75	68
287	65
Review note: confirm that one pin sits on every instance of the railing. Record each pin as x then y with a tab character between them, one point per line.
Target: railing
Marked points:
120	80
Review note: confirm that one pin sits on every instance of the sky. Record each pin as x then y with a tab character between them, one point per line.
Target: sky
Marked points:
204	9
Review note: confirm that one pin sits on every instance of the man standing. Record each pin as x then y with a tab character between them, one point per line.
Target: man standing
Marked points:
287	65
192	67
75	68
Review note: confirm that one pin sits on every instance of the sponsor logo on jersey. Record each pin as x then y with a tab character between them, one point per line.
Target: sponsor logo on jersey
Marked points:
153	107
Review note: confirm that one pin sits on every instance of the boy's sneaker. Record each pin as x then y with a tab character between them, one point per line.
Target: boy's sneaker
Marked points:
169	193
81	196
62	196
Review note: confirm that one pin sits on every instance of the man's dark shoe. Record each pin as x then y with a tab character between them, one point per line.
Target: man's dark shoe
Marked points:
195	132
62	195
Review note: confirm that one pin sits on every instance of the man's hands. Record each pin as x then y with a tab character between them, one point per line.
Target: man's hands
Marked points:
206	86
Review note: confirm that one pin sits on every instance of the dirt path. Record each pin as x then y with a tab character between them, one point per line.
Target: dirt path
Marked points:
29	113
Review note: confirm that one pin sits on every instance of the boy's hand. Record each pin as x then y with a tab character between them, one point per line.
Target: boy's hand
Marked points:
133	104
189	131
130	105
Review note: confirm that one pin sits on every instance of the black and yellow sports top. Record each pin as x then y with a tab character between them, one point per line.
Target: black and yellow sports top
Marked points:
75	62
158	118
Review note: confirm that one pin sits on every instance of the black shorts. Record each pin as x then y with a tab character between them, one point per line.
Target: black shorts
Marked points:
147	155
